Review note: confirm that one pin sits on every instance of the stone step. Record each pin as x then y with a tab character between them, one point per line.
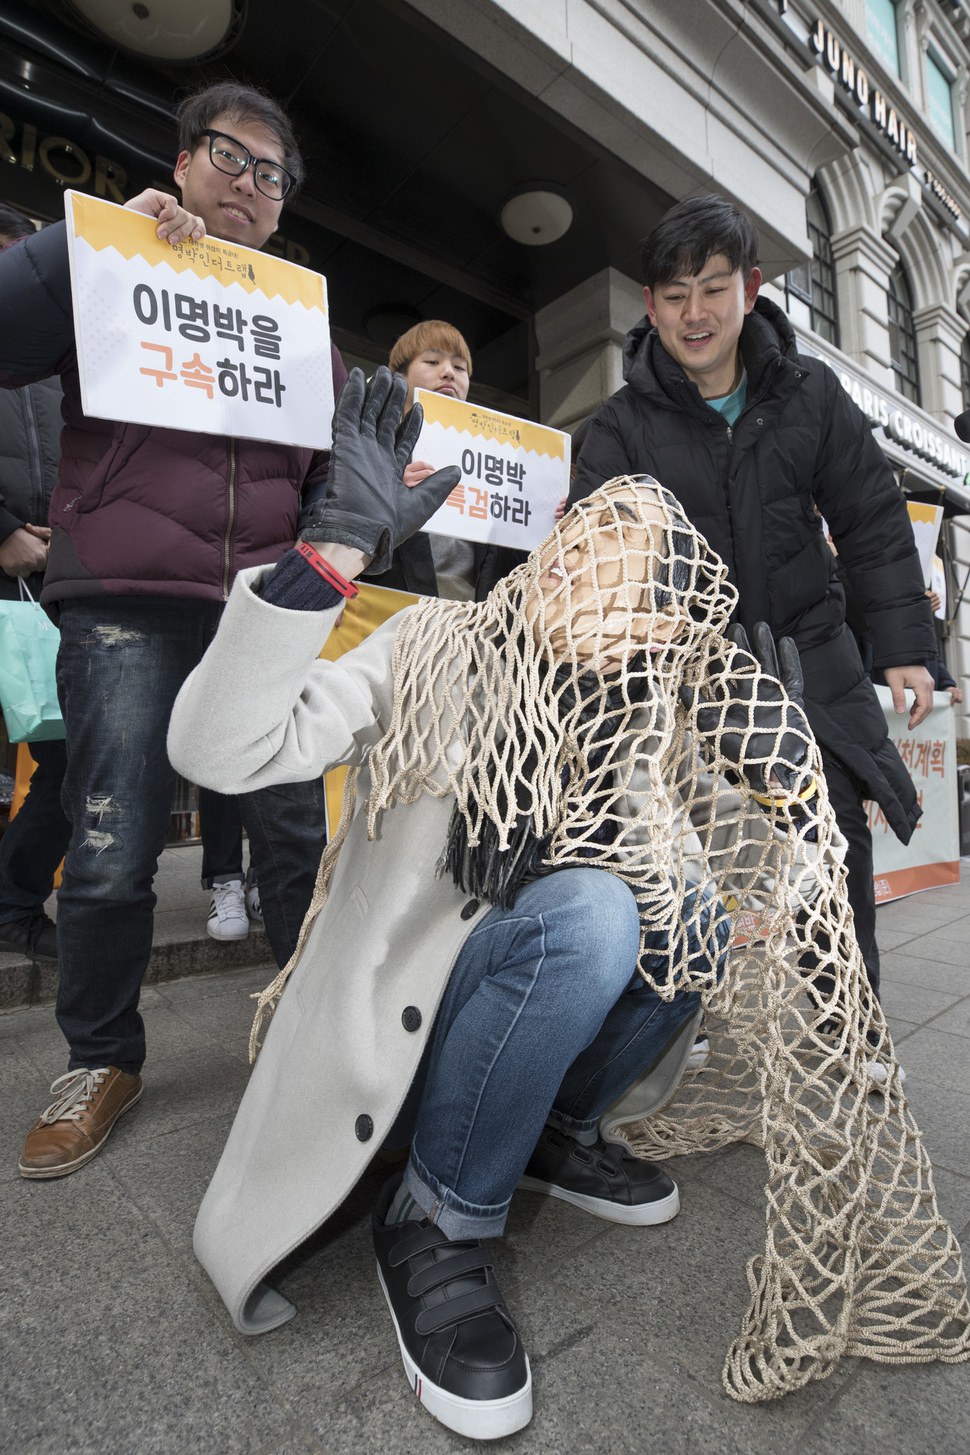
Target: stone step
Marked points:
34	982
180	945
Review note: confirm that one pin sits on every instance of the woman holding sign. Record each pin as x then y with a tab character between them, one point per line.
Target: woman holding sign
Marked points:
433	355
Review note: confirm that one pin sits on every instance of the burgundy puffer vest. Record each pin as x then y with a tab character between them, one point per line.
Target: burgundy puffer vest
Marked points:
140	510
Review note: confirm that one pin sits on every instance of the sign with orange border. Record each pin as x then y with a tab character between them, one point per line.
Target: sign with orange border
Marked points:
372	606
513	472
932	856
204	336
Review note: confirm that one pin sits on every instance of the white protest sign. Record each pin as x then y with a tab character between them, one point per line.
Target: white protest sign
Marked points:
938	584
932	856
206	336
514	472
925	520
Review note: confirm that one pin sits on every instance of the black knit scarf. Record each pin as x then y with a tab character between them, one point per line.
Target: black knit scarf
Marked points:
486	870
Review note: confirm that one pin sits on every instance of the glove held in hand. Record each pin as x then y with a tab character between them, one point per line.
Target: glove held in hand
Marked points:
367	505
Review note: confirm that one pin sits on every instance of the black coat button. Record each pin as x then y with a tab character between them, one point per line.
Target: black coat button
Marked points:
471	909
364	1127
411	1019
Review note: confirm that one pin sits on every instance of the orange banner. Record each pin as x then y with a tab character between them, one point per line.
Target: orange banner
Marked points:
361	616
899	882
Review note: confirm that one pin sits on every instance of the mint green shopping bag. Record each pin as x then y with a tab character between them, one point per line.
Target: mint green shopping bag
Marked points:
28	652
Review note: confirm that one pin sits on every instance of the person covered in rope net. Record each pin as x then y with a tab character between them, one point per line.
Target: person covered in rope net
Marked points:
564	802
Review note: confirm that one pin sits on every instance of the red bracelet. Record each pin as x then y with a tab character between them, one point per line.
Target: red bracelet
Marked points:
323	568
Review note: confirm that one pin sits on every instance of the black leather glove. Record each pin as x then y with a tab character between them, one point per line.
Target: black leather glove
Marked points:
780	660
367	504
759	727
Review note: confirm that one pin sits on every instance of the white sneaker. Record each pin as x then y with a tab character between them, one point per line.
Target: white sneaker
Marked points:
227	913
878	1072
700	1051
253	907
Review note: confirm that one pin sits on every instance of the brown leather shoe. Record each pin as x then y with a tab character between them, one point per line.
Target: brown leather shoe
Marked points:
76	1124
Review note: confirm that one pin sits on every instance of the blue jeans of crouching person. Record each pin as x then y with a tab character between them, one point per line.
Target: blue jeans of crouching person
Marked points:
544	1017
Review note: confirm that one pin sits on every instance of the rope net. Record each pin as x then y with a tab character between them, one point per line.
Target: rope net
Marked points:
593	713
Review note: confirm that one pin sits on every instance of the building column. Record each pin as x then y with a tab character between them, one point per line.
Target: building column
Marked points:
580	340
909	42
863	263
939	334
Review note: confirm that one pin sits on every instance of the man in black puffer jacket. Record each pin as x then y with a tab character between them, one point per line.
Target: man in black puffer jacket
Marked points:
751	437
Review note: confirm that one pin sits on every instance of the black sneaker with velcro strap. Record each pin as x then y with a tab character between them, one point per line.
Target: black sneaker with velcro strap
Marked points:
462	1352
604	1180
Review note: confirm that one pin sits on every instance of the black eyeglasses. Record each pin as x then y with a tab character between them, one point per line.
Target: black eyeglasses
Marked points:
230	156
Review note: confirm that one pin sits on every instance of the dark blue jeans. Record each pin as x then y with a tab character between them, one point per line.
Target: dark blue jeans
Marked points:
544	1018
121	663
220	828
34	843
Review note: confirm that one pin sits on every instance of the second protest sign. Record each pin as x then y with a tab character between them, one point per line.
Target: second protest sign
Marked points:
514	472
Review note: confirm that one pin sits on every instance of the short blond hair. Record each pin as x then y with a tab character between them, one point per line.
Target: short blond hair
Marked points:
432	334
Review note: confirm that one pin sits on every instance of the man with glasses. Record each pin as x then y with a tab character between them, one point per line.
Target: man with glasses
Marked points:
238	210
149	527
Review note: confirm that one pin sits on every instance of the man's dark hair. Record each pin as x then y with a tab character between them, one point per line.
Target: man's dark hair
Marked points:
14	224
687	235
234	102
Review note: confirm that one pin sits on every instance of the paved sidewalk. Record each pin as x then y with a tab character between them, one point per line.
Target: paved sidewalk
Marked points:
112	1340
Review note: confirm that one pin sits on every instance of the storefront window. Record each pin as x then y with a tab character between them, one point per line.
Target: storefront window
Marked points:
902	337
939	98
882	33
965	369
810	289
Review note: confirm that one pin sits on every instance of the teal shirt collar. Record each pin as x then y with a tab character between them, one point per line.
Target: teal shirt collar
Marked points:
731	405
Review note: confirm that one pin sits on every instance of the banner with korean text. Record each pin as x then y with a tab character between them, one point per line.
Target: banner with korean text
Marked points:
361	616
206	336
926	521
932	856
513	472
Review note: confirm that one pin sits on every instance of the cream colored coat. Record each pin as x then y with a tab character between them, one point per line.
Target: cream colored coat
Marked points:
261	708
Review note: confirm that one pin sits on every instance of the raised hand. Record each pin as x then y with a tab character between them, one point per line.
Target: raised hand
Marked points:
368	507
174	223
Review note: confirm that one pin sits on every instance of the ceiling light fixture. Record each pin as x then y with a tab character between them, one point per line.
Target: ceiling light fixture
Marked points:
536	213
165	30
